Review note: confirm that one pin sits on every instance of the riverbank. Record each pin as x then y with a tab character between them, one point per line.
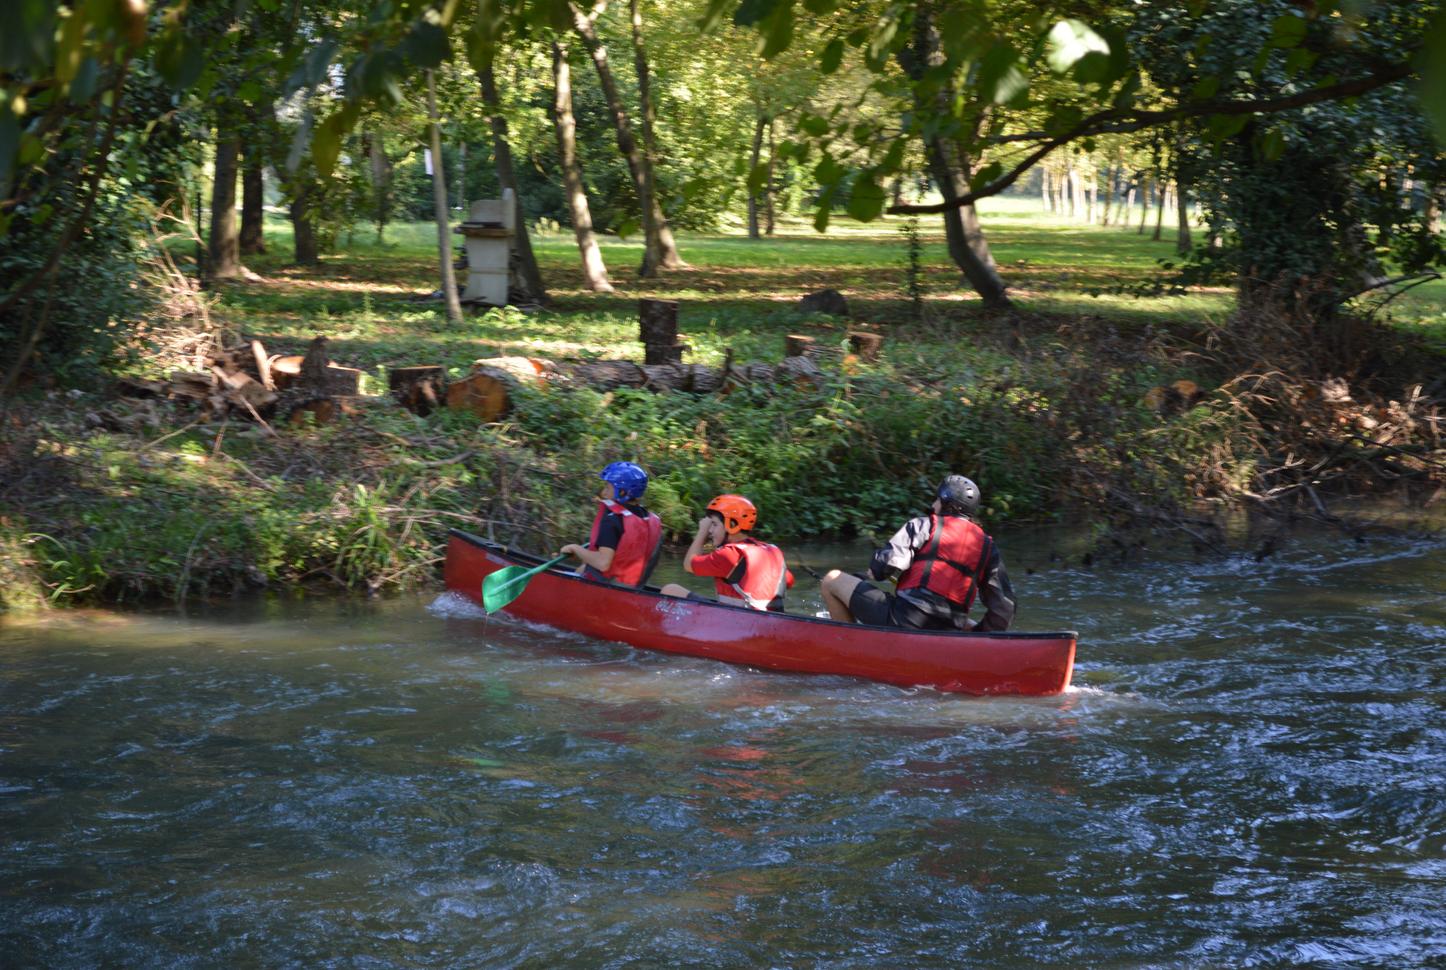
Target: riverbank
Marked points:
1054	407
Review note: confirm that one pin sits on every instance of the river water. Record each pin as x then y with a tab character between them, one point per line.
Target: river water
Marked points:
1248	772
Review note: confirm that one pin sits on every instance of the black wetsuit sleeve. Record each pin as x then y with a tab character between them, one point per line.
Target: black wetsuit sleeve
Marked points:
997	595
609	531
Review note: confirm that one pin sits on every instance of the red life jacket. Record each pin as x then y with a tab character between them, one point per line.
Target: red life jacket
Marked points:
641	535
952	561
765	576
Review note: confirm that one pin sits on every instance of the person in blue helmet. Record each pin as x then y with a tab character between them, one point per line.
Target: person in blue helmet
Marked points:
942	561
626	538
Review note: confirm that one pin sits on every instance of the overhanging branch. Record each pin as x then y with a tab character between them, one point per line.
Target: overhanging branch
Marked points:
1118	121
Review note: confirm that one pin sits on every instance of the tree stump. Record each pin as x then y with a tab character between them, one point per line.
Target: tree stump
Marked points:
866	345
830	302
658	322
420	390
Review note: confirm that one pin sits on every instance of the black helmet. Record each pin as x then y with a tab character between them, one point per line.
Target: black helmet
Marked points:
958	495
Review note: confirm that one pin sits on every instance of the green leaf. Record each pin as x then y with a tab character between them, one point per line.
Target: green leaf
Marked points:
70	49
9	146
179	59
1221	127
999	76
326	140
832	56
1300	59
86	81
628	227
985	175
813	125
778	30
1069	41
425	45
751	12
1287	30
866	199
1432	63
313	67
1272	145
27	34
820	7
1205	88
757	178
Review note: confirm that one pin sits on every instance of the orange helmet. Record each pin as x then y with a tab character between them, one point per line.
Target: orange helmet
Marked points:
739	514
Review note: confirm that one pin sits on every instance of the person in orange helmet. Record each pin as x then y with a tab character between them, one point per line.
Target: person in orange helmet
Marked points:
746	571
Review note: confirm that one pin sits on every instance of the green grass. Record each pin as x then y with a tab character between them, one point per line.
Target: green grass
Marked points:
1043	406
738	293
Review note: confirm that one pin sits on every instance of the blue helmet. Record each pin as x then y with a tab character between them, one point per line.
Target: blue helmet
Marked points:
627	479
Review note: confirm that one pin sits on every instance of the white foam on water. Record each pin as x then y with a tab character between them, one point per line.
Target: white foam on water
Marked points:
452	605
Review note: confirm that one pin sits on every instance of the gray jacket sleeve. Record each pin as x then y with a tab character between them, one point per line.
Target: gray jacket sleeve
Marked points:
891	561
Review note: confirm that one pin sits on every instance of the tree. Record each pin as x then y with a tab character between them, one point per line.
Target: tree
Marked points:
593	269
439	195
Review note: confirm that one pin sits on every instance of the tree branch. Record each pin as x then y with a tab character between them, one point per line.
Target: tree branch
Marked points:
1116	121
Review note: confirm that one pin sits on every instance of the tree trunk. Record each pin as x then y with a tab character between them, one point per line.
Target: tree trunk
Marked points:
950	168
593	269
381	168
529	278
667	255
1044	189
303	225
224	244
768	184
627	144
1110	174
1146	185
1182	208
1161	197
253	200
443	214
753	162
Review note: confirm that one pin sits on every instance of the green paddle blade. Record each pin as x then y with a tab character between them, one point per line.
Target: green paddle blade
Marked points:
505	585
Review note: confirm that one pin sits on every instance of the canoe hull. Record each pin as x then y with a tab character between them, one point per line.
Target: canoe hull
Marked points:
987	663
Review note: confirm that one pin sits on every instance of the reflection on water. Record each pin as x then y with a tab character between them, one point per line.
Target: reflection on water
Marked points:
1248	771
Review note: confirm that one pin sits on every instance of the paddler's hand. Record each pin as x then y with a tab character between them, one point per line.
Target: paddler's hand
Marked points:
571	549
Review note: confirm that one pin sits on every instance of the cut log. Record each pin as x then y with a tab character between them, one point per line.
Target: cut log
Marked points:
799	370
286	373
488	391
262	364
420	390
134	387
664	353
866	345
342	381
658	322
797	345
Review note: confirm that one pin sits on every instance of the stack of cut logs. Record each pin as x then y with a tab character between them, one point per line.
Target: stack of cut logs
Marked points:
246	379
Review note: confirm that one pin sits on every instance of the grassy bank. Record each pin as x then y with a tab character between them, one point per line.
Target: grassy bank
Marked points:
114	500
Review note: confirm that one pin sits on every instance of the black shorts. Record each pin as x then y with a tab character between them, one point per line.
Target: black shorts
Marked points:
872	606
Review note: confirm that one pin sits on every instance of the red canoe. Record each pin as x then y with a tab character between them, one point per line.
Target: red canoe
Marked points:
970	663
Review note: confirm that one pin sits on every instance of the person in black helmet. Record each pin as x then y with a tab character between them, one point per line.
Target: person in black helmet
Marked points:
942	561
